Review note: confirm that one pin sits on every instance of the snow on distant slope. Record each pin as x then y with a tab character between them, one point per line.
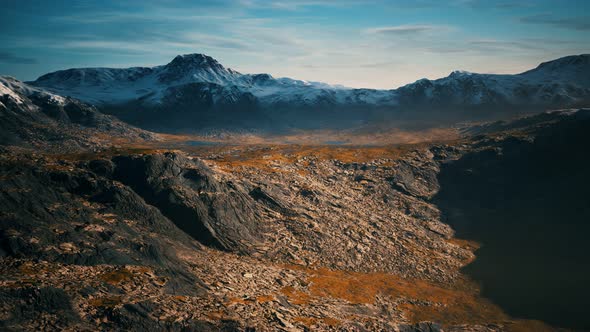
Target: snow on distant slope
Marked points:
30	116
562	81
112	86
17	91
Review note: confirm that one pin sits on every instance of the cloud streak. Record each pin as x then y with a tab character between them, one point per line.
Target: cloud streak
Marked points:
404	30
572	23
11	58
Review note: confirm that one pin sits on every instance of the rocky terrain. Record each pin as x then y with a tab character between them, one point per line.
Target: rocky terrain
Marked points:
269	237
35	118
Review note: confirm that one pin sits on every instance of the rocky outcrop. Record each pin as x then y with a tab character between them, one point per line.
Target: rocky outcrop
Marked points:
75	216
71	215
216	212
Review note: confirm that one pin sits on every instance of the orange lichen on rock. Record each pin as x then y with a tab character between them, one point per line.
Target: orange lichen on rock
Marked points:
216	315
356	287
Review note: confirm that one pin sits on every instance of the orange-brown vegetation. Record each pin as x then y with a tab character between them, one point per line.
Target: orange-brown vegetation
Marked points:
216	315
296	296
116	277
465	244
311	321
424	301
358	136
108	153
106	302
265	298
27	269
265	157
445	305
528	326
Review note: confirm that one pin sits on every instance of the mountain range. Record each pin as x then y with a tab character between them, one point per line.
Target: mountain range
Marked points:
195	91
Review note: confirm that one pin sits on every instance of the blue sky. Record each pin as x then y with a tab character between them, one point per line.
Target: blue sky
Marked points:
370	43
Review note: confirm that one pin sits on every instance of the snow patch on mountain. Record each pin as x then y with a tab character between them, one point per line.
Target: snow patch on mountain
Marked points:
15	89
565	80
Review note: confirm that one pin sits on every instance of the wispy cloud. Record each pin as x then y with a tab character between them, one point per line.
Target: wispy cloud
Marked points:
293	5
581	23
505	45
6	57
486	4
410	29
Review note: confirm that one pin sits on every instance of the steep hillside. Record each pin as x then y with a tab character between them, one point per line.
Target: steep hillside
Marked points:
33	117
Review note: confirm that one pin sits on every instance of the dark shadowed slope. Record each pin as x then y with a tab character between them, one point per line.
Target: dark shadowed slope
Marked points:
524	197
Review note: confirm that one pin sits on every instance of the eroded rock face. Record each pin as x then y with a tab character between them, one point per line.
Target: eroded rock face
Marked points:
416	176
216	212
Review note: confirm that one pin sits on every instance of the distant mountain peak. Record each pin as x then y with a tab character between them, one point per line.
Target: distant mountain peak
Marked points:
460	73
195	65
194	60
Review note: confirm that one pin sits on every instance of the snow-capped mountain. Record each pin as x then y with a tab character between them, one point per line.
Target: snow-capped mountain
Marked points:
153	85
560	83
197	84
